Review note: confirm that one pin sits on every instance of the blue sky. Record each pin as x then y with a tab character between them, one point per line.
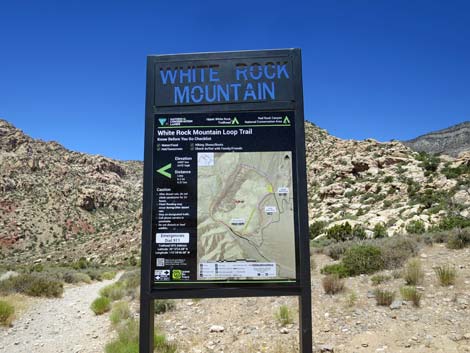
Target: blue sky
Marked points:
74	71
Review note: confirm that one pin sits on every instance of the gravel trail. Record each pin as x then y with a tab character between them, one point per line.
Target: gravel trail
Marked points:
60	325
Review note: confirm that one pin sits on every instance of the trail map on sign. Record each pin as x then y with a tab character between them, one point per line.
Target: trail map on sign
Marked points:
245	217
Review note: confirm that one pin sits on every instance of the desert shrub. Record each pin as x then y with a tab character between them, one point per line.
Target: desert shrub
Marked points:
120	312
340	232
100	305
95	274
7	311
459	239
115	291
410	293
332	284
81	264
316	228
362	259
452	173
378	279
429	162
416	227
127	340
335	269
131	279
336	250
35	285
384	297
108	275
163	305
446	275
413	273
76	277
380	231
451	222
388	179
284	315
396	250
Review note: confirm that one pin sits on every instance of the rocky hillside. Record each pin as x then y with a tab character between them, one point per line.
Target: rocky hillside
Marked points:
451	141
58	204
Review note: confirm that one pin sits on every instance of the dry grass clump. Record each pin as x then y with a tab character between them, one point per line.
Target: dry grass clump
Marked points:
120	312
384	297
410	293
379	279
332	284
284	315
446	275
7	312
413	273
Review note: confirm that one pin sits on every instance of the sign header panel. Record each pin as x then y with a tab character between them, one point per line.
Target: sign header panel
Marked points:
209	81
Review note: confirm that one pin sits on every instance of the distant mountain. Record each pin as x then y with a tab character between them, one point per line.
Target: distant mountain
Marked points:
450	141
60	205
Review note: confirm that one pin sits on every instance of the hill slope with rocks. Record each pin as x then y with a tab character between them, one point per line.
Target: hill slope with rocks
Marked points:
60	205
451	141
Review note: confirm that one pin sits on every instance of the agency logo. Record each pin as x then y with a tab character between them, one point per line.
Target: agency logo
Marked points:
176	275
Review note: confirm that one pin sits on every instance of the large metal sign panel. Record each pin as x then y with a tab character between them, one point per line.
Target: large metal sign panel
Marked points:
224	173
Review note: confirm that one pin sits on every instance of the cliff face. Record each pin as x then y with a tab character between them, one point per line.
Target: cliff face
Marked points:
451	141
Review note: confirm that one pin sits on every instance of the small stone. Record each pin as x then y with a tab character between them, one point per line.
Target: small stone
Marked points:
216	328
396	304
284	330
326	348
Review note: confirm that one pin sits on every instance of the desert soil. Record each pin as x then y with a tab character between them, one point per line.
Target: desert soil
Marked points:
59	325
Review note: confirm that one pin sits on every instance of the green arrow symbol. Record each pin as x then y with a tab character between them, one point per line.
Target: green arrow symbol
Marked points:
235	121
286	120
163	170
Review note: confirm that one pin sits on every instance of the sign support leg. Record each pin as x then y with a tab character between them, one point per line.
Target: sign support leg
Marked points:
147	314
305	321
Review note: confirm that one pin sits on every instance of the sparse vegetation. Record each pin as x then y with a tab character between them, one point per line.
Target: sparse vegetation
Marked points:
127	340
384	297
332	284
379	279
7	312
284	315
35	285
459	239
416	227
446	275
120	312
380	231
413	273
344	231
410	293
101	305
351	299
163	305
115	291
316	228
335	269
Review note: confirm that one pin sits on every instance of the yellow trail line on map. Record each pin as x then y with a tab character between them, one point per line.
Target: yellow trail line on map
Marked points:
249	219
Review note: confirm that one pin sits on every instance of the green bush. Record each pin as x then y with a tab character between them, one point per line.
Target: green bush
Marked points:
344	231
131	279
101	305
108	275
384	297
35	285
363	259
81	264
451	222
163	305
7	311
115	291
380	231
76	277
120	312
459	239
335	269
415	227
453	173
284	315
337	250
429	163
446	275
316	228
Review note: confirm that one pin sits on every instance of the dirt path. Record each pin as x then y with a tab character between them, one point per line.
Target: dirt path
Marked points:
62	325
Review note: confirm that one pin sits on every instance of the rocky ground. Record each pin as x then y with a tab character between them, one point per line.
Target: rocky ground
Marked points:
441	324
59	325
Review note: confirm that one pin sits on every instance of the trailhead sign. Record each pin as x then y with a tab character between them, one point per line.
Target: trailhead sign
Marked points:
225	208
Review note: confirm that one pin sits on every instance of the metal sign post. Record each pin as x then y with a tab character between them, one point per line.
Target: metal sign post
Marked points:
225	191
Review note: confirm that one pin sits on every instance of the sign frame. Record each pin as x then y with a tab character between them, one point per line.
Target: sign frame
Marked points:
302	287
